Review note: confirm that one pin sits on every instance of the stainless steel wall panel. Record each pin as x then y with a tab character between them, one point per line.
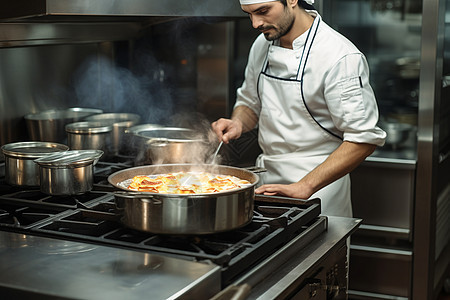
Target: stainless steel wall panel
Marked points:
383	194
21	9
426	280
37	34
381	271
35	79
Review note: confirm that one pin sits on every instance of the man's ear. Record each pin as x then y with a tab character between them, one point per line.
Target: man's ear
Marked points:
292	3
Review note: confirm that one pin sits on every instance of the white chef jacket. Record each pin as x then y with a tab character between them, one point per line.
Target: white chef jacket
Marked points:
335	84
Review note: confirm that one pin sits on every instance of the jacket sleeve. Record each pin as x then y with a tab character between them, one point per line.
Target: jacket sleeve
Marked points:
352	102
247	94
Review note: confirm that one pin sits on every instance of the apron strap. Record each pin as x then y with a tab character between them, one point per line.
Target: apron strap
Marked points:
314	28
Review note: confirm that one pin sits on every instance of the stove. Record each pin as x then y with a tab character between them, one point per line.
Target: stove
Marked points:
92	218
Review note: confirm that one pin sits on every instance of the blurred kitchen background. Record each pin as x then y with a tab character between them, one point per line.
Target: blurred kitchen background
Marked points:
173	62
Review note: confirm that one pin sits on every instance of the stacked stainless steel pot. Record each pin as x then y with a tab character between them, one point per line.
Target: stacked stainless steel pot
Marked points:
20	168
48	126
120	143
89	136
51	166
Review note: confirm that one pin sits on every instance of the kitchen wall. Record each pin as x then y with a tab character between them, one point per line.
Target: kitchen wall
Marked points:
155	70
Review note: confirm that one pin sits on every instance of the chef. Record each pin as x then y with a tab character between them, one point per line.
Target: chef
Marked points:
307	90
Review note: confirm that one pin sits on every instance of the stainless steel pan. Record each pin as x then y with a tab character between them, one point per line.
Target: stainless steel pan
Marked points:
188	213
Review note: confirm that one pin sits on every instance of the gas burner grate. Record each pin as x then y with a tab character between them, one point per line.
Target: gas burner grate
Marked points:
12	216
269	228
35	198
103	169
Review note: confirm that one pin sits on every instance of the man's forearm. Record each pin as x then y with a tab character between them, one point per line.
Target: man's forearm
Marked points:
246	117
341	162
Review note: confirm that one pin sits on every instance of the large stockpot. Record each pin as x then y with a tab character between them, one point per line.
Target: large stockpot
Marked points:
120	142
48	126
20	168
68	173
171	145
137	141
185	214
90	136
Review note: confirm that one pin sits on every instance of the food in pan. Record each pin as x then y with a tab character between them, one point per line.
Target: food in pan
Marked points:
185	183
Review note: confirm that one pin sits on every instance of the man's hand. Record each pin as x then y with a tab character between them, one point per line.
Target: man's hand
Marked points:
341	162
227	129
242	120
293	190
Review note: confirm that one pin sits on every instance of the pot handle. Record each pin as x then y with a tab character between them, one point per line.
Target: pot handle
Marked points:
98	156
157	142
121	198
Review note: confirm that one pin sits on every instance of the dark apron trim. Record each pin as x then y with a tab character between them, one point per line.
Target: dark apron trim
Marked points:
303	95
266	64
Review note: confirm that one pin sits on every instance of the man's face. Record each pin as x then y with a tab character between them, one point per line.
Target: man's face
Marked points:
271	18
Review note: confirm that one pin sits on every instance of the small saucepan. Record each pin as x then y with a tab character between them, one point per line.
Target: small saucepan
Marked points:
69	173
90	135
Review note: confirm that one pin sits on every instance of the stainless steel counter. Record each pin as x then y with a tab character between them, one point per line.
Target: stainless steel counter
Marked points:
289	274
44	268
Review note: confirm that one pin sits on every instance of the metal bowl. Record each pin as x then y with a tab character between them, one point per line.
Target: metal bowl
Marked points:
397	133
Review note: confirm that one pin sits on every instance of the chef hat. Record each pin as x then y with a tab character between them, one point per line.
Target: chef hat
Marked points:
246	2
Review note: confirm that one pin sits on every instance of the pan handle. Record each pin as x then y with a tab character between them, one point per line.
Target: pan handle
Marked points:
122	197
285	200
256	169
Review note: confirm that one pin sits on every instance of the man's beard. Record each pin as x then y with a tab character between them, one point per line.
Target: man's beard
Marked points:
283	27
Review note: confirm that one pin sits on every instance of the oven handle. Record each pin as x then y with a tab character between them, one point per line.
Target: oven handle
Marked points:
233	292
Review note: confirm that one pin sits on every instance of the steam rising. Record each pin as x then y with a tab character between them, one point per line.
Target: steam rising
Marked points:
104	85
101	84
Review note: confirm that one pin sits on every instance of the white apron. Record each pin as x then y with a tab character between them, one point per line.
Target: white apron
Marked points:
293	143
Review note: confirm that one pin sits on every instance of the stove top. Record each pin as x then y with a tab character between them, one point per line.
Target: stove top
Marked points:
92	218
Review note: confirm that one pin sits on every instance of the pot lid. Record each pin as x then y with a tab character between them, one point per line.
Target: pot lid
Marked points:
32	150
73	113
72	158
89	127
142	127
116	119
170	134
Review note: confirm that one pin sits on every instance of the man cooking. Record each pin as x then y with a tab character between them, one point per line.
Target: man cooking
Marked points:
307	89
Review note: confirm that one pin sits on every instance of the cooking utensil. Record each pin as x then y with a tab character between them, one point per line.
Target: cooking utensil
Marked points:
120	122
168	145
48	126
184	213
213	160
20	168
68	173
90	136
397	133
